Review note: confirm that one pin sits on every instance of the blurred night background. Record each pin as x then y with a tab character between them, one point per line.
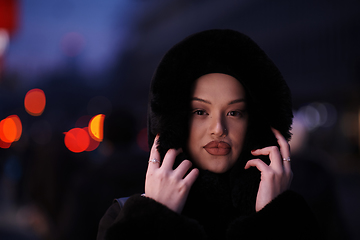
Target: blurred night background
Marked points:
94	57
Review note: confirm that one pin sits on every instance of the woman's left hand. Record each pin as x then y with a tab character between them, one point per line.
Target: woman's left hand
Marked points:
276	177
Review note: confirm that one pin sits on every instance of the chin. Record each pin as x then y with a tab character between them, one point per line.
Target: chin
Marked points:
218	169
215	164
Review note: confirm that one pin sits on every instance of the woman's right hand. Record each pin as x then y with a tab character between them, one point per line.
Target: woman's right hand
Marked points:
165	185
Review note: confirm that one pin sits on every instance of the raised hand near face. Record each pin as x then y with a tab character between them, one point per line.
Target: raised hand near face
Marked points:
276	177
165	185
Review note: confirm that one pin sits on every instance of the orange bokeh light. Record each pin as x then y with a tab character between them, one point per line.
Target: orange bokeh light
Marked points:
18	125
35	102
96	127
7	130
77	140
10	130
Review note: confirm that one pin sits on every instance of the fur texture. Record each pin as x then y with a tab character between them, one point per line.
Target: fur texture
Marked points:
286	217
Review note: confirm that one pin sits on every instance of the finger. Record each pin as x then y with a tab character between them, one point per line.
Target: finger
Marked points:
274	156
154	159
191	177
169	159
284	149
258	163
284	145
182	169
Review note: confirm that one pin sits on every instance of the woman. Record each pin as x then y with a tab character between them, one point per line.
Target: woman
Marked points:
219	120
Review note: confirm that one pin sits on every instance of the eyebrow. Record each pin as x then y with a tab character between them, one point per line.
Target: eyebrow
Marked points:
208	102
237	101
200	100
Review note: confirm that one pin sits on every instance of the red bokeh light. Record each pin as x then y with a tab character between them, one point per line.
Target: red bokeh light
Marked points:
77	140
9	15
10	130
35	102
93	143
4	144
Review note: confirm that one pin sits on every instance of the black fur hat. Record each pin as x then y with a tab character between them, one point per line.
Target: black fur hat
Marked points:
217	51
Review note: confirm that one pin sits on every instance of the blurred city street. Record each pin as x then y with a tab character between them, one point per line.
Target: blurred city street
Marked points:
74	82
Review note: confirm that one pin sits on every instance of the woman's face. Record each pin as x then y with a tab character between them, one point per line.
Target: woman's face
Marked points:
218	122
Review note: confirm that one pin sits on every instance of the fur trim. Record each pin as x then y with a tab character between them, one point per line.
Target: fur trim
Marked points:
287	216
142	215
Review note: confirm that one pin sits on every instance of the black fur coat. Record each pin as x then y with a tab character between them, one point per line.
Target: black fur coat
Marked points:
219	206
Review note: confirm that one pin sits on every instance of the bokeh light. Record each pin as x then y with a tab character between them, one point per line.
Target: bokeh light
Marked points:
93	144
4	144
317	114
80	139
35	102
7	130
77	140
96	127
4	41
10	130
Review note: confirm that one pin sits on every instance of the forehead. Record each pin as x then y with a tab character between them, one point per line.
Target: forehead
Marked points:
218	85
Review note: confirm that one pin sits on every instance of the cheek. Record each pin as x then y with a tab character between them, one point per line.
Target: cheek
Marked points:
238	135
195	133
195	126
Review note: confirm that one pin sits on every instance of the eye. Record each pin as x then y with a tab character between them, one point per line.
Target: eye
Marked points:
199	112
235	113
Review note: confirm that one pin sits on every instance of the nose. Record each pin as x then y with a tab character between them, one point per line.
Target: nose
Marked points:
218	127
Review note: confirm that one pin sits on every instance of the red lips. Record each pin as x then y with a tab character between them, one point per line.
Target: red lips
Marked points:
218	148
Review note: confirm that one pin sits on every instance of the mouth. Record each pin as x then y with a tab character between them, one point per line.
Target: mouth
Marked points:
218	148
